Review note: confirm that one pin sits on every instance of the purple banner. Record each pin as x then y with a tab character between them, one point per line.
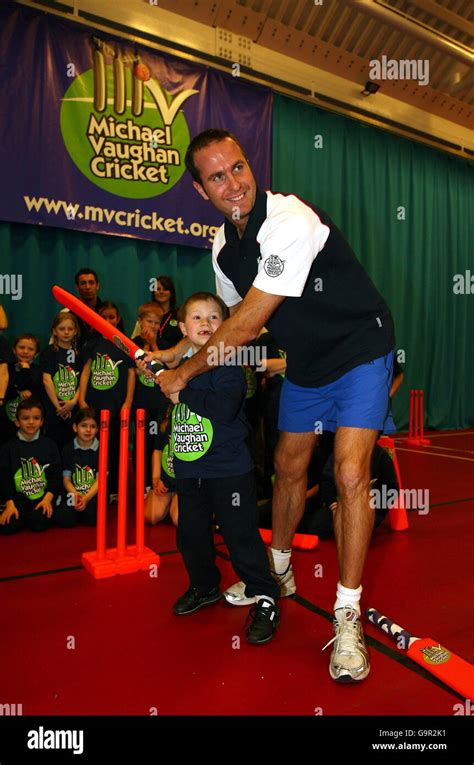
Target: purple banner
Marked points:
93	131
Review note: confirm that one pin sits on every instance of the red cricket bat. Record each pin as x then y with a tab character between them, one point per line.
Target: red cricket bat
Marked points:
107	330
300	541
455	672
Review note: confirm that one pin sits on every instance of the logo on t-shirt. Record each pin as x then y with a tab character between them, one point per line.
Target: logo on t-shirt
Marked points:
104	372
30	478
192	434
11	406
65	382
282	355
250	381
274	265
167	460
83	478
148	381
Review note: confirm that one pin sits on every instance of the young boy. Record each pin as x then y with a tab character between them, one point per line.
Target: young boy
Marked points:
25	378
215	477
80	473
30	473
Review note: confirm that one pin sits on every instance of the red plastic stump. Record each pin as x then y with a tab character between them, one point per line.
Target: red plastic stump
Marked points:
123	559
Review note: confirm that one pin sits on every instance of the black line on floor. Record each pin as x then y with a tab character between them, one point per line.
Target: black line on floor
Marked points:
453	502
39	573
73	568
391	653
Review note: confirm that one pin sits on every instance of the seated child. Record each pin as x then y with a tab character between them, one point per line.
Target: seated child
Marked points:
107	382
80	473
148	395
24	375
271	373
162	497
215	477
321	497
6	358
30	473
60	365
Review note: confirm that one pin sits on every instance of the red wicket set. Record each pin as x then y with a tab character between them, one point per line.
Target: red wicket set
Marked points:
123	559
416	429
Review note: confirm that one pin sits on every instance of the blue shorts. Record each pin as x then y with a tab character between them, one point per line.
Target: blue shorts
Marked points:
358	399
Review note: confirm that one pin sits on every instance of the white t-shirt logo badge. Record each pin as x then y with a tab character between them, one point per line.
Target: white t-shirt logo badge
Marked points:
273	265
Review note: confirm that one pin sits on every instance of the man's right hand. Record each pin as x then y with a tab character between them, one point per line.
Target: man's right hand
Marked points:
171	381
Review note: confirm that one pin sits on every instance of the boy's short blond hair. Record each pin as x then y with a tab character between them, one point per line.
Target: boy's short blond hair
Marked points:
147	308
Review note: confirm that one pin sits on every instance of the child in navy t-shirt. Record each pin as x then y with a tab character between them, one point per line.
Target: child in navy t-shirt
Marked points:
80	473
148	395
30	473
61	366
107	382
215	478
24	377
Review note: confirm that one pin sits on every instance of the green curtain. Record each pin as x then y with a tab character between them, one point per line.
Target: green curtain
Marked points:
46	256
362	176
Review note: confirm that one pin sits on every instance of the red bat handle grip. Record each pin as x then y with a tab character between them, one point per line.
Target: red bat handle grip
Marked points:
153	366
402	637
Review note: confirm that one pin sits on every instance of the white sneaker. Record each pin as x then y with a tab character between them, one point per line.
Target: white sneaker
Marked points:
235	595
349	659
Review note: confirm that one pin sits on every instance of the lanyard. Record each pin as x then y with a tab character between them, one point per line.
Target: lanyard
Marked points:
164	325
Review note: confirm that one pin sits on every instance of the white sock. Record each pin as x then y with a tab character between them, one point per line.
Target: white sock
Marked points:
265	597
347	597
281	560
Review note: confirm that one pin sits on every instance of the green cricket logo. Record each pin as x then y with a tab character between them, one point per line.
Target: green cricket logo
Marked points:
148	381
250	381
30	478
11	407
120	127
191	434
104	372
83	478
167	460
65	382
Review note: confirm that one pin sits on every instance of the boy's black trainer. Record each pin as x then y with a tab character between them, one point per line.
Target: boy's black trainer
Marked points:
193	600
265	620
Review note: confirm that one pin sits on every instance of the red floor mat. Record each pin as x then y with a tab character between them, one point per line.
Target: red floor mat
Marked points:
131	654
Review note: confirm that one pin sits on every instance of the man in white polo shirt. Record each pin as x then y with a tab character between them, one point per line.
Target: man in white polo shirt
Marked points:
285	265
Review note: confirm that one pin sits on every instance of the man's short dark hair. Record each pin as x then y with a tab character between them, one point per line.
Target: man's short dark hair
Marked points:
213	135
83	272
